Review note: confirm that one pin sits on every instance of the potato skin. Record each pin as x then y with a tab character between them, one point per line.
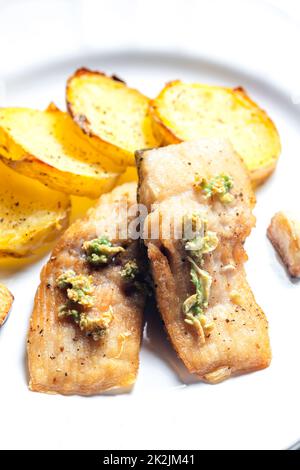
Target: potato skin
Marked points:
168	118
6	301
97	103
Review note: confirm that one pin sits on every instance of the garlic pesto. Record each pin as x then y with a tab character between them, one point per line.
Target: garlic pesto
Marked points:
79	291
134	278
96	327
79	288
218	186
130	270
100	251
203	242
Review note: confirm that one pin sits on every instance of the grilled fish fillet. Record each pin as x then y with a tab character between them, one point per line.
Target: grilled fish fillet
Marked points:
239	341
61	358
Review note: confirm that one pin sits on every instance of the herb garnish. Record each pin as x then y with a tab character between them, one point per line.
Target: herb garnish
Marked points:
79	290
130	270
100	251
219	186
203	242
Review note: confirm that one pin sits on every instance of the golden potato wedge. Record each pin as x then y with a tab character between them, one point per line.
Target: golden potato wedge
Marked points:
30	213
48	146
188	111
115	116
6	301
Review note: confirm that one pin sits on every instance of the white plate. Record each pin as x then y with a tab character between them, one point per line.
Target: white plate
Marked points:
165	409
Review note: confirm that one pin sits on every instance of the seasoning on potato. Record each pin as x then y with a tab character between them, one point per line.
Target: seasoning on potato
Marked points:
184	111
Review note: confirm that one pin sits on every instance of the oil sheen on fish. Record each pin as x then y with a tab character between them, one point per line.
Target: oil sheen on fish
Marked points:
207	306
62	357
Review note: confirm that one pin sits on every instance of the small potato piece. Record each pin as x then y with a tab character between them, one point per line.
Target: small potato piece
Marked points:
284	233
190	111
30	213
6	300
114	116
48	146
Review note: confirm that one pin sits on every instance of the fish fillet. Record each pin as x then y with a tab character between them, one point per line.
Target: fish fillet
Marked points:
61	358
238	341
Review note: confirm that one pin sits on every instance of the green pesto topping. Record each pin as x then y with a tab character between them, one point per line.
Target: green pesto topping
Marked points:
133	276
79	288
204	240
130	270
197	302
96	327
69	312
194	306
100	251
219	186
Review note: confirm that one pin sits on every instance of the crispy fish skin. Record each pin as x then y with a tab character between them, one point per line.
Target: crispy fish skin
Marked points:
239	341
61	359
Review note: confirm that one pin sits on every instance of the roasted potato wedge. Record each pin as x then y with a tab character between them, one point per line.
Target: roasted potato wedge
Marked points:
188	111
6	301
30	213
48	146
114	116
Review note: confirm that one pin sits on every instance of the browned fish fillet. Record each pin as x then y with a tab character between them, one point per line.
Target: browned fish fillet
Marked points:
61	358
174	179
